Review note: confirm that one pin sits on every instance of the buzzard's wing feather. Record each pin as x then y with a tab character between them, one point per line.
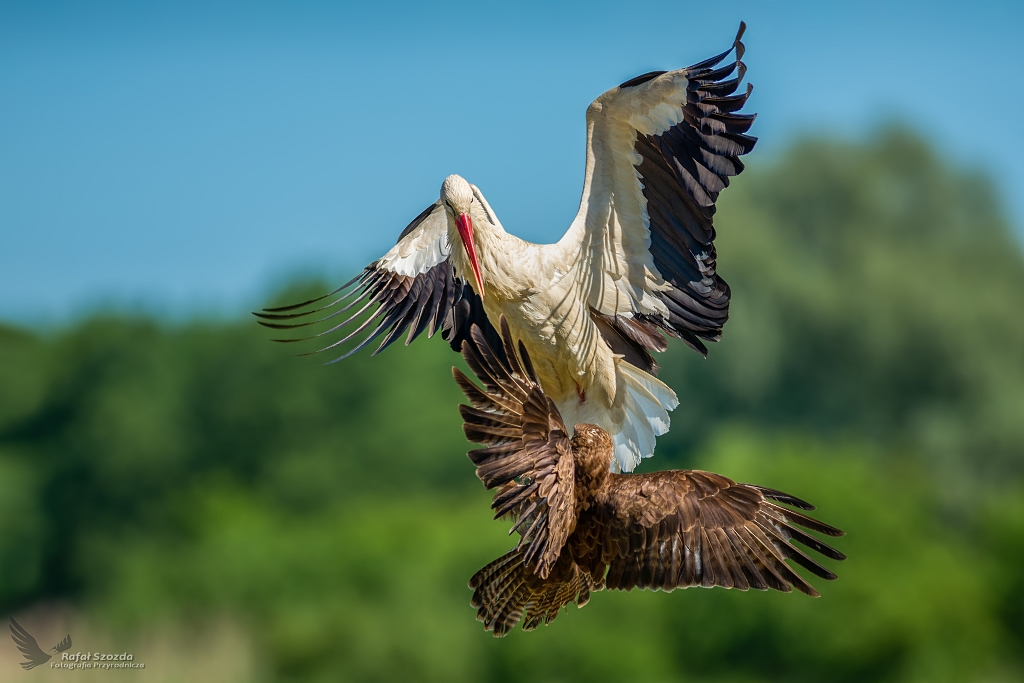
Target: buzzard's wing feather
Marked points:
527	454
670	530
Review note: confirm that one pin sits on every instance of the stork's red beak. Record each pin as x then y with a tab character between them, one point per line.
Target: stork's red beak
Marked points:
465	225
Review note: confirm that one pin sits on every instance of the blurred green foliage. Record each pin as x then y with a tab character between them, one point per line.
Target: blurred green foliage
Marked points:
874	364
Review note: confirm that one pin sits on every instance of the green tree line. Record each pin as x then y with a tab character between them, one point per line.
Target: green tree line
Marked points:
873	364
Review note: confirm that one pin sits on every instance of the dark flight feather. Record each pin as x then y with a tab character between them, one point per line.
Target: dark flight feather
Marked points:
528	455
682	172
389	305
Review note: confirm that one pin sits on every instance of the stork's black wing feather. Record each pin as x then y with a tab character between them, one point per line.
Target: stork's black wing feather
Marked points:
386	301
467	312
683	170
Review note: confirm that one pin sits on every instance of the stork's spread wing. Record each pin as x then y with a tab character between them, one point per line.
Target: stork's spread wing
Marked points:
660	148
28	646
528	453
669	530
412	287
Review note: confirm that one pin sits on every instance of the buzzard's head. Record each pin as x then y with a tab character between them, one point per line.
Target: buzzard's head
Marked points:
592	447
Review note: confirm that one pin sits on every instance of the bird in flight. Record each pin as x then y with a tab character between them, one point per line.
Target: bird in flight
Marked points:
637	263
583	528
34	655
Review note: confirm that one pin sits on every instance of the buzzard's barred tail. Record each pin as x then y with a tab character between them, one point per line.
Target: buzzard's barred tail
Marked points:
506	591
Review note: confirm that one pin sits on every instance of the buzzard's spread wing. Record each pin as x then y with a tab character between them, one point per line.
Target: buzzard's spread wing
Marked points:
412	287
28	646
527	451
669	530
660	148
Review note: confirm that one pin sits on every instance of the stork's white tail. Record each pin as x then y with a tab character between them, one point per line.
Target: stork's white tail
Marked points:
639	414
645	400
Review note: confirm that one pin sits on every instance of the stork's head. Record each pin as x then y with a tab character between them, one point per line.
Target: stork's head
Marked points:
457	198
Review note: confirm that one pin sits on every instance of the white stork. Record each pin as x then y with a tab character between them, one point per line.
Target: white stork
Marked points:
637	261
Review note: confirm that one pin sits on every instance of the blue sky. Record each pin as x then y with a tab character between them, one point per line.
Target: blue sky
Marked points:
188	157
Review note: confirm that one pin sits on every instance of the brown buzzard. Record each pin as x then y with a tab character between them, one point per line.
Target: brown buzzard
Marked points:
584	528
